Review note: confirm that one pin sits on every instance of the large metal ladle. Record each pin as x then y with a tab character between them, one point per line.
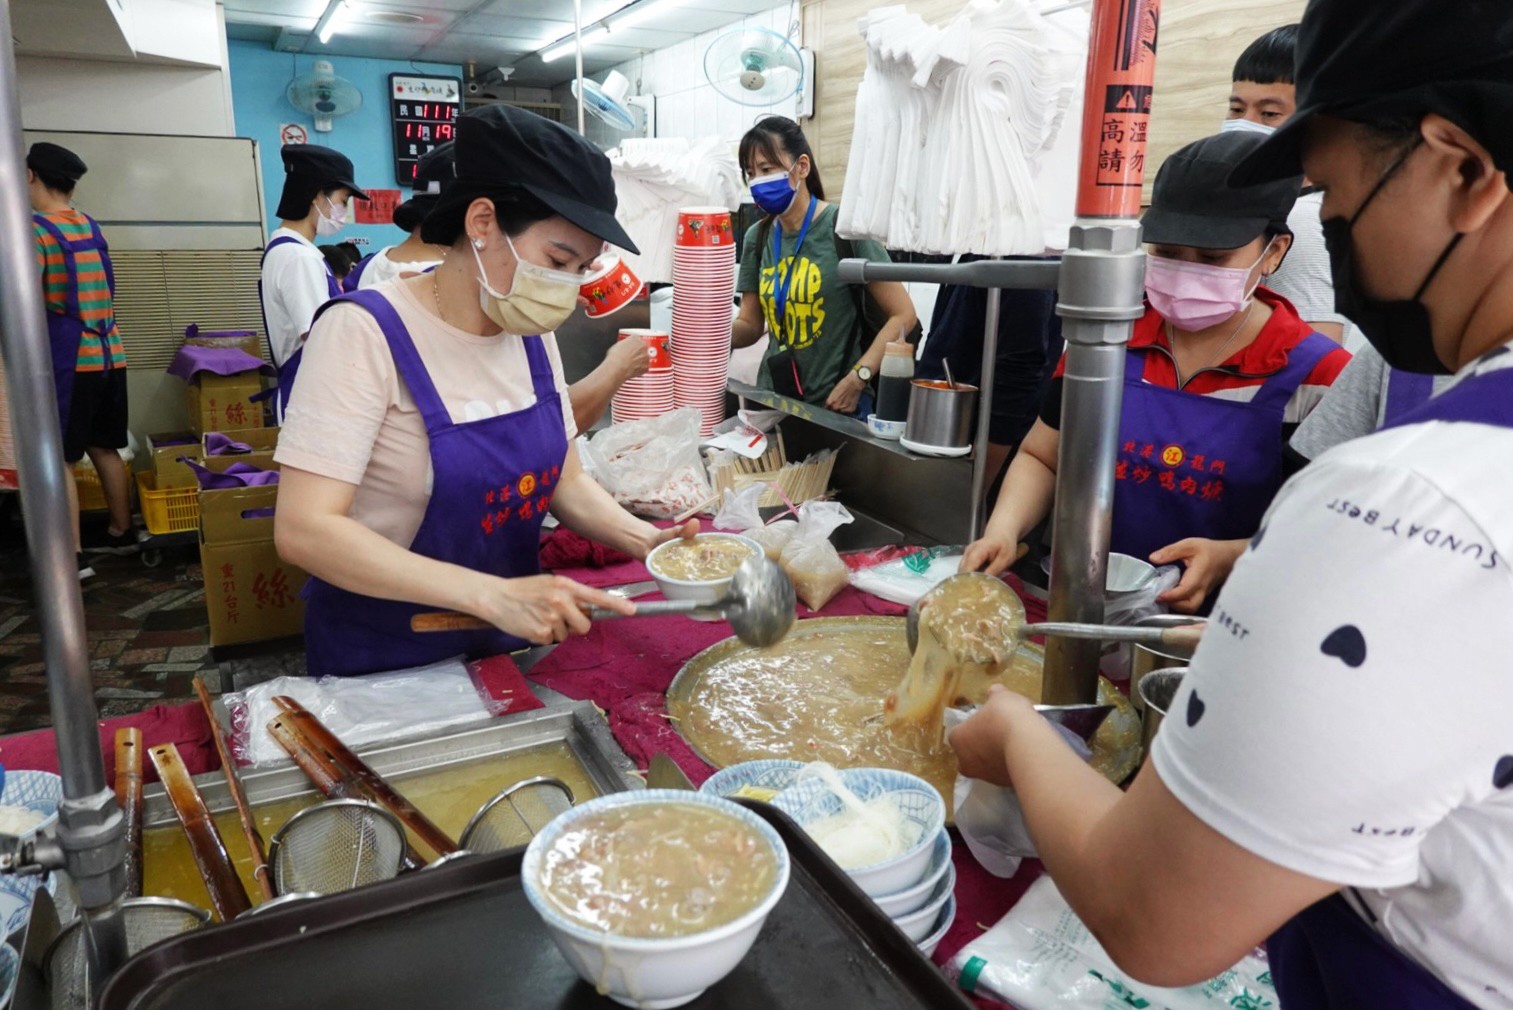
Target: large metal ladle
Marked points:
1179	639
760	606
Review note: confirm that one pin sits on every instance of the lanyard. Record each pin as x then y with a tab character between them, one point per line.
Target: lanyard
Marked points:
781	286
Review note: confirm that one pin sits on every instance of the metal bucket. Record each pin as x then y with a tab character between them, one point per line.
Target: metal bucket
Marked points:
1146	659
940	415
1157	690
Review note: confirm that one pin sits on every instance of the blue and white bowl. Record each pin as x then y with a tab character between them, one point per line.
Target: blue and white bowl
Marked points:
16	897
810	800
942	927
39	791
774	775
922	922
643	972
914	898
10	971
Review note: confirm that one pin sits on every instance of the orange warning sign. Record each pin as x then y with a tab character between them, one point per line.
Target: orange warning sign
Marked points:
1116	114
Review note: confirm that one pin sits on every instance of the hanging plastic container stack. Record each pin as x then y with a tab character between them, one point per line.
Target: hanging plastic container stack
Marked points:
703	275
648	395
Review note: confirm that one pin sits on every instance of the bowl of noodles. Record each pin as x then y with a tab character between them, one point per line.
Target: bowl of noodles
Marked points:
700	569
655	895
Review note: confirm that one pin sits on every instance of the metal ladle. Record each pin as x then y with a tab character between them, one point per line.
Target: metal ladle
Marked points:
759	606
1179	639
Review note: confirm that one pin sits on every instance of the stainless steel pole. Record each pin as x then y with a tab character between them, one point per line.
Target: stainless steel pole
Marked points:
984	411
90	827
578	52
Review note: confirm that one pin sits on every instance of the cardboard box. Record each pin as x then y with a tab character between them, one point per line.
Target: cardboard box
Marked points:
251	595
166	448
242	340
263	442
222	402
261	439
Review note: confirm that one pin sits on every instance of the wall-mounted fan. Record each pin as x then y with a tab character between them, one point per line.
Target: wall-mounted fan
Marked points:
323	95
754	66
607	100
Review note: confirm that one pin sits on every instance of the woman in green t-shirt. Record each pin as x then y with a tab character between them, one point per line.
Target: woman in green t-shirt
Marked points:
789	286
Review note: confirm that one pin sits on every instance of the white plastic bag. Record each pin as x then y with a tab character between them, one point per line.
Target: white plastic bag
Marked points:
1041	957
652	467
361	710
739	509
1127	609
814	565
902	581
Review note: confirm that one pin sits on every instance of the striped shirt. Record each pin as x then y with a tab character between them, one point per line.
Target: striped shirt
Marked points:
96	353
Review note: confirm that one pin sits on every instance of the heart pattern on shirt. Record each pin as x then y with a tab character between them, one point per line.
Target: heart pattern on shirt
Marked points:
1195	709
1502	772
1347	644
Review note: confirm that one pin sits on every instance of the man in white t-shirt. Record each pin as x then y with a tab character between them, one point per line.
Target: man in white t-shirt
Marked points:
1335	775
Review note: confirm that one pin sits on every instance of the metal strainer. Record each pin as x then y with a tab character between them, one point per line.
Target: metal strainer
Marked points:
147	921
512	818
336	846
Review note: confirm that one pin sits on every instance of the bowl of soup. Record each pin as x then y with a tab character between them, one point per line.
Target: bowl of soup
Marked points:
655	895
700	569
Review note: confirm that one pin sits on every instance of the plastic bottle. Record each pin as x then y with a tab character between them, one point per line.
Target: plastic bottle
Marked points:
894	381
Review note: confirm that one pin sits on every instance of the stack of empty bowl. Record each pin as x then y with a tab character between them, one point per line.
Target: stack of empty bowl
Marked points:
915	887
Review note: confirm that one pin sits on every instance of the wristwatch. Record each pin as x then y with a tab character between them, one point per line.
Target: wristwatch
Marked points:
863	372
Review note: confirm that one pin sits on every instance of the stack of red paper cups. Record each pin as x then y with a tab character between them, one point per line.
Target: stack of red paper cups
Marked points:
648	395
703	277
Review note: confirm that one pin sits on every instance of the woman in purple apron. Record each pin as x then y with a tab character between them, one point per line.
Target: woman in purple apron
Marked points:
527	217
1334	776
1211	387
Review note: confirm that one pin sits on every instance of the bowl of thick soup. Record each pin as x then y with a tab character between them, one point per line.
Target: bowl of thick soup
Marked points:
700	569
655	895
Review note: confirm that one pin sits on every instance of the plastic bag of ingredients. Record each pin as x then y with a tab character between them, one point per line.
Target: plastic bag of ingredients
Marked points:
1041	957
904	580
652	467
810	560
740	512
362	710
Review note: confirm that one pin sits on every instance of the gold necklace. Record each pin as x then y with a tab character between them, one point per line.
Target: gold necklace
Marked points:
436	294
1218	355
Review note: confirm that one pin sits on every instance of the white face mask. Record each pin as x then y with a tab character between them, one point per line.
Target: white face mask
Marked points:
334	222
1246	126
539	299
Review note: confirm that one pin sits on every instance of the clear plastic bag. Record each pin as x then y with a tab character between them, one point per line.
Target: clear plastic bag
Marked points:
905	580
651	467
814	565
739	509
773	538
1131	608
361	710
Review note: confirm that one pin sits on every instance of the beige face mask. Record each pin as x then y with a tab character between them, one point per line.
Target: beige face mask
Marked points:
539	300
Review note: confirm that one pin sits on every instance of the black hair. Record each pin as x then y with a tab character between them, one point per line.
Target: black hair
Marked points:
407	218
337	259
514	209
774	137
1270	59
56	183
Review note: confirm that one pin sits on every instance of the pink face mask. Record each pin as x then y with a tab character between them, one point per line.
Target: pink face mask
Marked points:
1195	296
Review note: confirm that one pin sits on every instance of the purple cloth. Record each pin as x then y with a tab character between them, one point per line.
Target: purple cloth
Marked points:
236	475
217	444
190	361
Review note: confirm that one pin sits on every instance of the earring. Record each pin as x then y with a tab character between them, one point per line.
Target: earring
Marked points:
477	243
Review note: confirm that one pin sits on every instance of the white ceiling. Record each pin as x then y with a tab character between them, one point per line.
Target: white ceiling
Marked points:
487	33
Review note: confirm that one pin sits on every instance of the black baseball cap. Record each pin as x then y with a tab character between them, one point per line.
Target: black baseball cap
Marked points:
1192	203
500	149
310	169
1369	61
55	159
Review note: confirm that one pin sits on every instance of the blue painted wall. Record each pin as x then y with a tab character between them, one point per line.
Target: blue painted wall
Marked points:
259	78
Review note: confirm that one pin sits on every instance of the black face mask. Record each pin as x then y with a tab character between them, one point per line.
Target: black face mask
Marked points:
1399	329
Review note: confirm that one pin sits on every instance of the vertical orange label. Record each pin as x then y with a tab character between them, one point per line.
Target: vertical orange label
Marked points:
1116	111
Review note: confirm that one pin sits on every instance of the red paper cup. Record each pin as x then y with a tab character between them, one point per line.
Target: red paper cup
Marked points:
658	346
706	227
613	288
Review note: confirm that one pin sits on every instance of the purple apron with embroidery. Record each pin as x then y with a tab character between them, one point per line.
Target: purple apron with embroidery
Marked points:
66	329
1200	466
492	481
290	367
1328	957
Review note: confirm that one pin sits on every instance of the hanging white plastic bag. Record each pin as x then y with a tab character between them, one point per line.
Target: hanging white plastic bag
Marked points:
904	580
652	467
739	510
814	565
1041	957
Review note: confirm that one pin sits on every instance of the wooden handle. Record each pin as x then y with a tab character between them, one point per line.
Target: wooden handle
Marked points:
371	781
443	620
129	796
228	898
260	871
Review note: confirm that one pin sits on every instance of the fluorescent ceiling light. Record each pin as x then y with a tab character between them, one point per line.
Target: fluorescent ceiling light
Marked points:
568	44
637	13
326	27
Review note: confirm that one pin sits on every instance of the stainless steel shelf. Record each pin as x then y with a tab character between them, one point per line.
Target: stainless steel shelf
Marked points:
830	420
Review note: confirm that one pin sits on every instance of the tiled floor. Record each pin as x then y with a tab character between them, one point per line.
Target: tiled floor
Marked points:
147	633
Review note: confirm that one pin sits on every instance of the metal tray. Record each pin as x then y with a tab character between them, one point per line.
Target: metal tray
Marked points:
1123	719
463	936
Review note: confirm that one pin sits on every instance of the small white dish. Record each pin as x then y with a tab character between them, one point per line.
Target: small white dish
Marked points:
944	451
891	430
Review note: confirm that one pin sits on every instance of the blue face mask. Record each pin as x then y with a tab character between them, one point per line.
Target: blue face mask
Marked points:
773	193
